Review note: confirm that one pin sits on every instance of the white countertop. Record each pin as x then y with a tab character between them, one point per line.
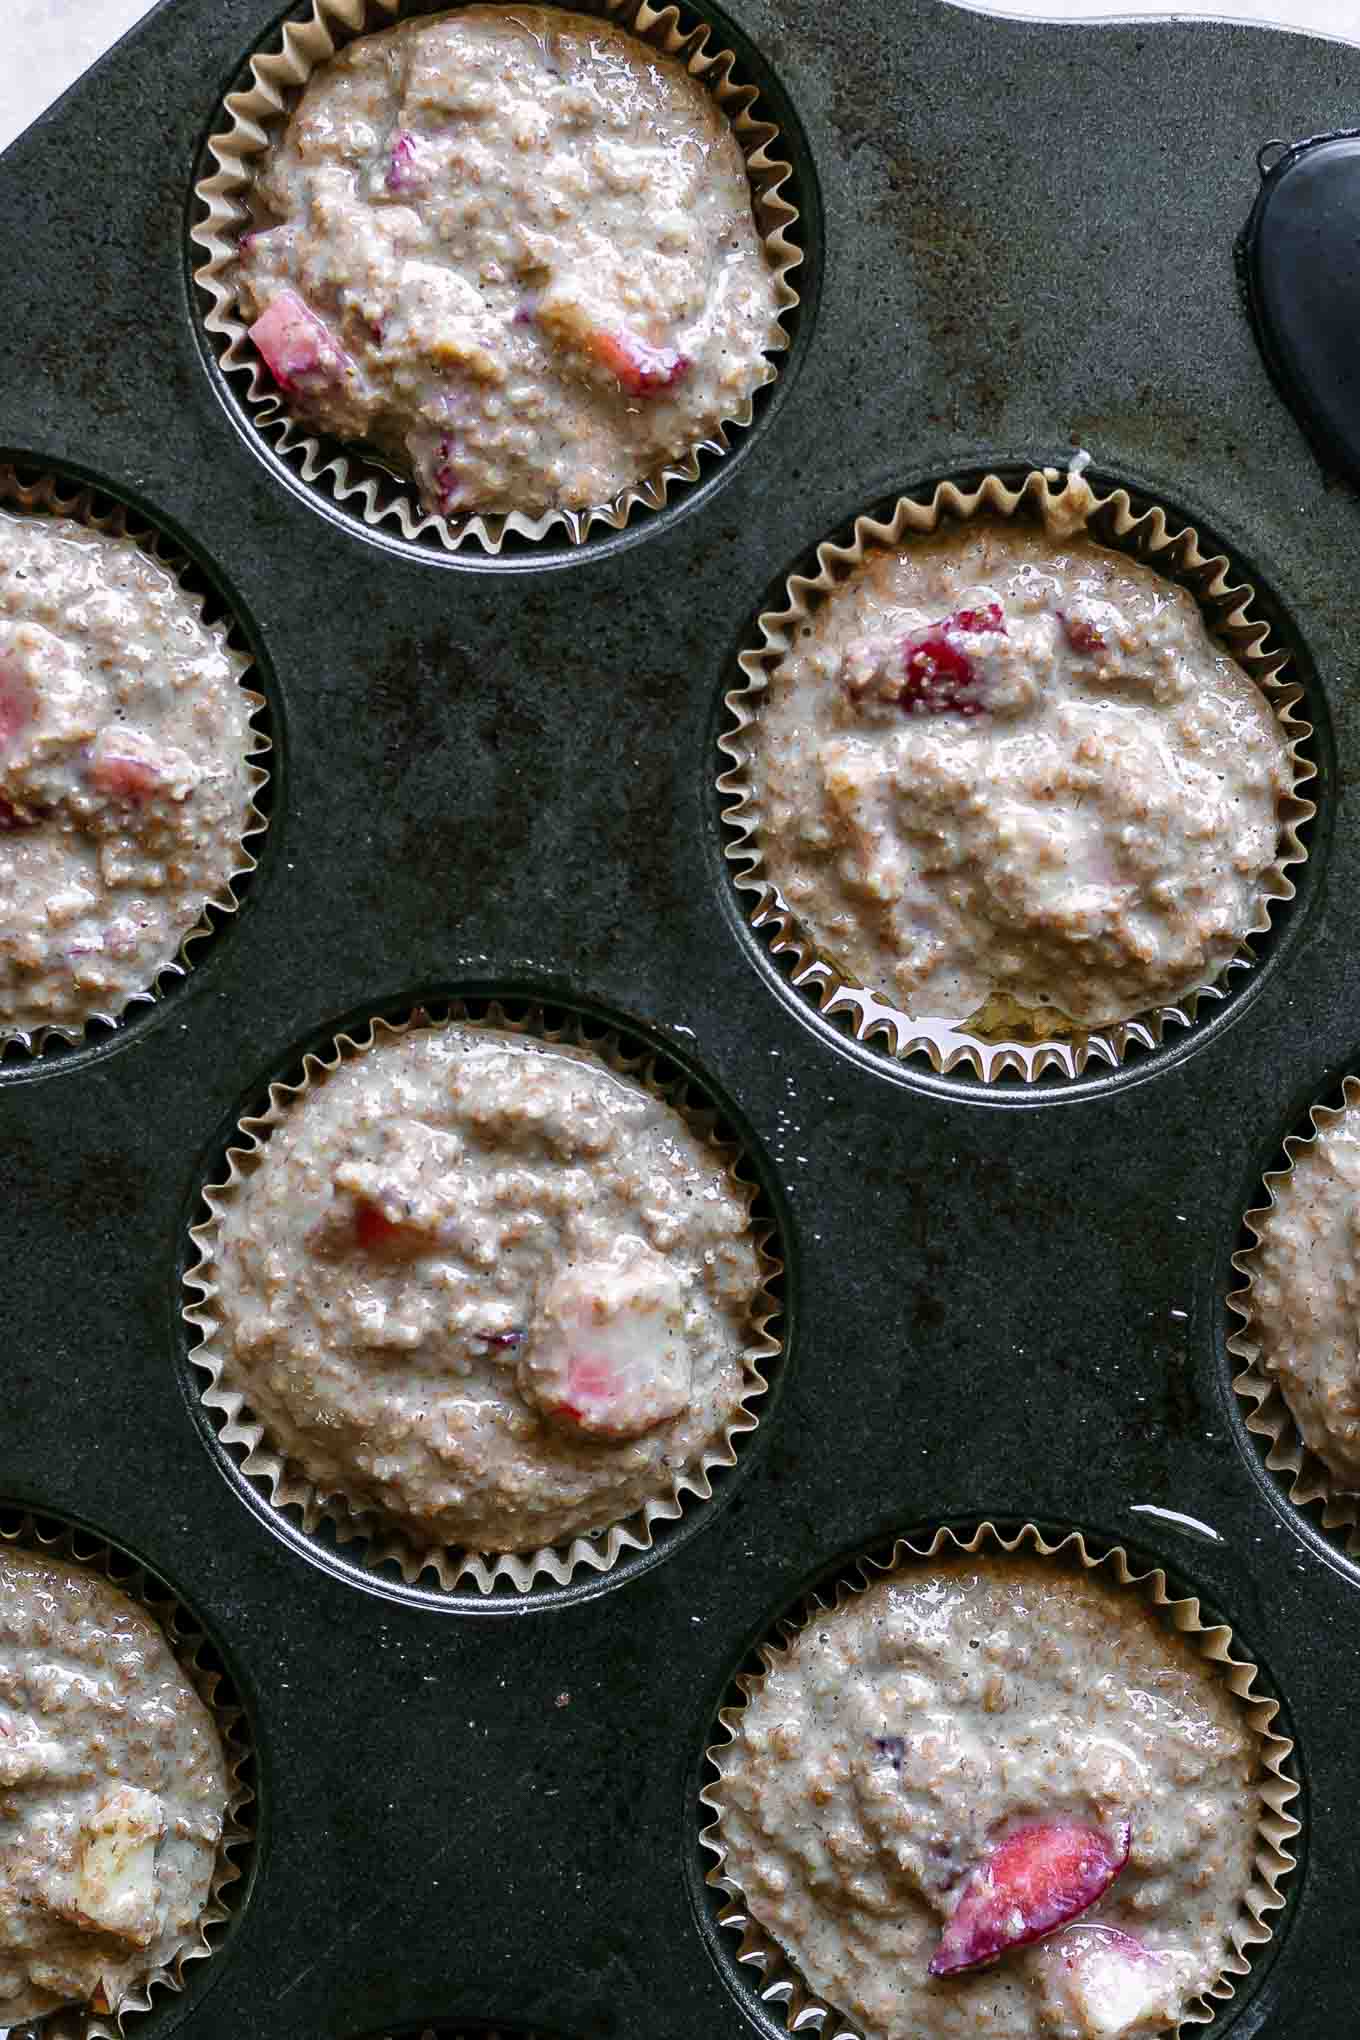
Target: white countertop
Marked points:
46	44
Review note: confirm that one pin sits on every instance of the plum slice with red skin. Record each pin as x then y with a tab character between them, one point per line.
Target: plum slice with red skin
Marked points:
641	369
299	349
939	677
1036	1879
401	167
376	1233
127	777
17	704
1081	633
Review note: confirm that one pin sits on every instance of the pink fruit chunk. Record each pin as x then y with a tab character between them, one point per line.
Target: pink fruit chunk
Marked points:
641	369
1081	634
17	704
401	168
127	777
1108	1984
391	1238
299	349
607	1358
1035	1880
939	677
445	478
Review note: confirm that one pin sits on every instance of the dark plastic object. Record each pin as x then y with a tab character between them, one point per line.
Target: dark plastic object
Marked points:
1301	263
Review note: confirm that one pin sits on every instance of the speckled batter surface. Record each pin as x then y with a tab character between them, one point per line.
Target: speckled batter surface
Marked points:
998	771
1305	1294
113	1791
945	1707
490	1286
124	784
514	250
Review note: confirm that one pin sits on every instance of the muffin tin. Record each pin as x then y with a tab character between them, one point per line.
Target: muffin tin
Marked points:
479	1813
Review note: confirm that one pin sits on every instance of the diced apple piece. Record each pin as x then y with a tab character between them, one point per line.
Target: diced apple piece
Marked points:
114	1891
1033	1881
1109	1985
301	352
606	1359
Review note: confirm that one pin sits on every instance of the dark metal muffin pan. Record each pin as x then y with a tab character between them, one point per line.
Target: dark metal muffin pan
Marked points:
1009	1303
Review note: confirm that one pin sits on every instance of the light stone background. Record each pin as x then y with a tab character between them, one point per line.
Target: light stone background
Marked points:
46	44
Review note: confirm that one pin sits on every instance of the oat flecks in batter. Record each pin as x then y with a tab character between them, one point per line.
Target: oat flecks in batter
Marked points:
1000	768
112	1790
515	251
489	1285
1305	1294
124	783
905	1736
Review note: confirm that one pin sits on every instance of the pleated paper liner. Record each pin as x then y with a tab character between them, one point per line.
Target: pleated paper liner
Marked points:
1307	1480
1063	506
52	1537
39	493
775	1980
375	1541
359	480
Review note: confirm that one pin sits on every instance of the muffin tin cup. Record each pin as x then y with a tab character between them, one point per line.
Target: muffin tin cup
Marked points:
365	487
381	1541
779	1980
1064	506
29	1530
47	494
1306	1479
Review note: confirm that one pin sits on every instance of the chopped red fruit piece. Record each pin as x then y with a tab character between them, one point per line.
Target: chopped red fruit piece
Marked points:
978	621
444	476
125	776
376	1233
299	349
643	370
939	677
1081	634
1108	1984
607	1359
401	167
16	701
1037	1879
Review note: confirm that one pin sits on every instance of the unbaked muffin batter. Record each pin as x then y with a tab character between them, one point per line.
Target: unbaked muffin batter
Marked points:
514	250
112	1791
974	1754
1000	771
490	1286
1305	1294
124	783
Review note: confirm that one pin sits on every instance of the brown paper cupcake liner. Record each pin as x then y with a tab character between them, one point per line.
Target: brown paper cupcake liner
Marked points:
49	495
1308	1481
1063	505
381	1541
51	1537
779	1982
361	483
